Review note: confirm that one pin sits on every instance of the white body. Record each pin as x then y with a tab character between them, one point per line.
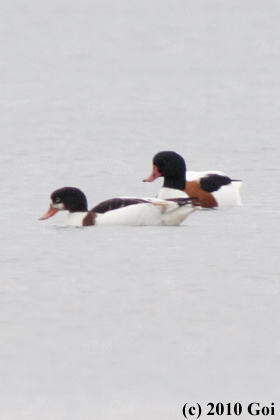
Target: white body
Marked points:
155	213
229	195
226	196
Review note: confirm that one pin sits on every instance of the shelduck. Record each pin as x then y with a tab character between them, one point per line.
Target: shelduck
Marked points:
130	211
212	188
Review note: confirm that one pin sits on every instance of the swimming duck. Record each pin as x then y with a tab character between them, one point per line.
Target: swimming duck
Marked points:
212	188
131	211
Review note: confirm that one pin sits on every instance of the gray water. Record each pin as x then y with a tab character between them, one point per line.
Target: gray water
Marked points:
126	322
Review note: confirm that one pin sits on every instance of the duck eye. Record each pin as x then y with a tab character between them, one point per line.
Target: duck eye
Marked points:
57	199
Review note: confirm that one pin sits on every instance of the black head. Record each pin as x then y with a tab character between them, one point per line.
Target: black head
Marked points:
170	163
69	198
172	167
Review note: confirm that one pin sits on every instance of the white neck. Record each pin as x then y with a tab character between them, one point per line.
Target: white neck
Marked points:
165	193
76	218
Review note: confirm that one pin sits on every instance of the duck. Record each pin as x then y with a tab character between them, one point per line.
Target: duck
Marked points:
213	189
131	211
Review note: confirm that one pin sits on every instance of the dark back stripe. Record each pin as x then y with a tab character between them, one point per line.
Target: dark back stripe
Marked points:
116	203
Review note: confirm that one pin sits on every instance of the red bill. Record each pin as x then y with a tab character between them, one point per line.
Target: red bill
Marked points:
51	212
154	175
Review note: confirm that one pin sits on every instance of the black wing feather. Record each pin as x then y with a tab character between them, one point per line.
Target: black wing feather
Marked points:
213	182
116	203
183	201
